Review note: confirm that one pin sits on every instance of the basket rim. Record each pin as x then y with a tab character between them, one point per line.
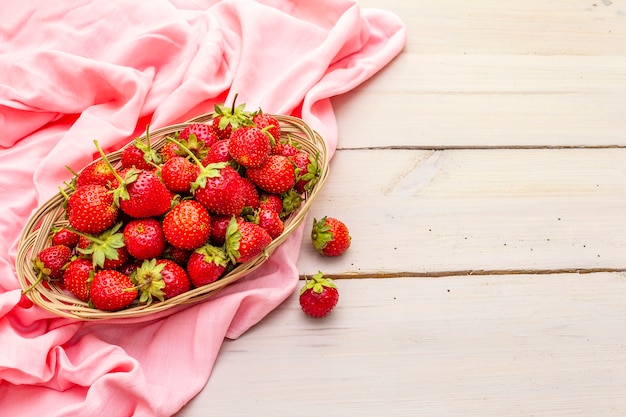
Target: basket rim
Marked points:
36	232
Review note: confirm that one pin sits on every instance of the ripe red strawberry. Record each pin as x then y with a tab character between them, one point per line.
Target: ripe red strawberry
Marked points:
245	240
307	171
218	152
144	238
77	277
143	194
64	236
178	173
178	255
271	202
318	296
219	224
50	261
268	123
105	250
91	209
276	176
206	265
249	146
222	191
170	150
111	290
140	155
229	118
330	236
271	222
187	225
285	148
139	193
161	279
198	138
97	172
250	192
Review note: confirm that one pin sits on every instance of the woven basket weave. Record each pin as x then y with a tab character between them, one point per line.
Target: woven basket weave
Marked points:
36	235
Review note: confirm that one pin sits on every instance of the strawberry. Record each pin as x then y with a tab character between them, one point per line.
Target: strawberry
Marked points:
206	265
143	194
50	262
144	238
198	138
95	173
245	240
161	279
77	278
187	225
318	296
105	250
307	171
285	149
218	152
220	190
169	150
249	146
140	155
268	123
229	118
271	222
250	192
64	236
178	255
270	201
330	236
276	176
111	290
219	224
178	173
91	209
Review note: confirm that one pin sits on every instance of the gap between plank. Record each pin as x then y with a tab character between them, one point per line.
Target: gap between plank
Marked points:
470	272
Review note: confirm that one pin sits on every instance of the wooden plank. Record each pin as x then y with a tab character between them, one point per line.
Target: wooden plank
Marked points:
537	27
500	210
439	101
453	346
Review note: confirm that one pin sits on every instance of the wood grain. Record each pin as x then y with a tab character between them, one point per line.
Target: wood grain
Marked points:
456	346
482	175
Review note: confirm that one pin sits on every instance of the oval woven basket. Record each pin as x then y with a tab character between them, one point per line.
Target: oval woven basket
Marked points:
37	232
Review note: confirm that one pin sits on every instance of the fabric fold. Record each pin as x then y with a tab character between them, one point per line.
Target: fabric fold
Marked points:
103	69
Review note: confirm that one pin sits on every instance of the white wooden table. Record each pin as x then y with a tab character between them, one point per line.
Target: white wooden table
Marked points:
486	275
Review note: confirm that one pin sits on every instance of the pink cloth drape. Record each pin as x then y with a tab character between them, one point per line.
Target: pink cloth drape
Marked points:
79	70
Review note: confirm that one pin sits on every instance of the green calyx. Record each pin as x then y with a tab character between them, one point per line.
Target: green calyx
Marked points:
236	116
213	254
311	175
103	246
233	240
317	283
206	172
321	234
292	201
149	281
150	155
131	176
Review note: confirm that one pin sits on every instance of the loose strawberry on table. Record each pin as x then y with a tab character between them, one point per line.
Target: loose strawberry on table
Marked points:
330	236
318	296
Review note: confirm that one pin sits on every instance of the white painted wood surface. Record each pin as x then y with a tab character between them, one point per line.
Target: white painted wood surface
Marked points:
486	275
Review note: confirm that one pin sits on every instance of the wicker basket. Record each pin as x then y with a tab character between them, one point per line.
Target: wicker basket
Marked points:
36	236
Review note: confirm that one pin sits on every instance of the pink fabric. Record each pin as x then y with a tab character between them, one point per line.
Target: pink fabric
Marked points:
79	70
